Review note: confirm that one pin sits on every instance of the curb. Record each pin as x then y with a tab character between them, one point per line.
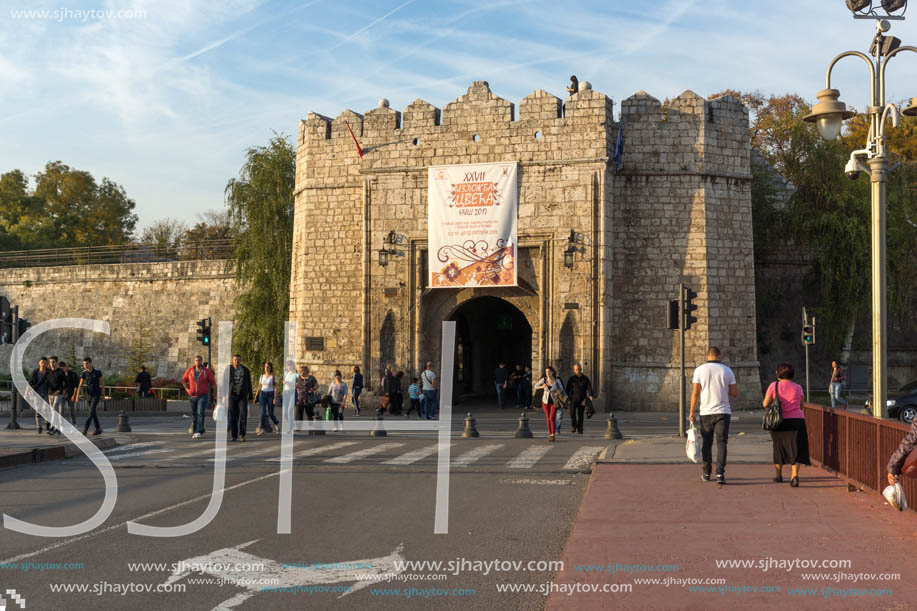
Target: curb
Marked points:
36	455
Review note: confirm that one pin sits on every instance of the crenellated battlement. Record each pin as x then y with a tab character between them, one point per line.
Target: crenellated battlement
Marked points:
676	137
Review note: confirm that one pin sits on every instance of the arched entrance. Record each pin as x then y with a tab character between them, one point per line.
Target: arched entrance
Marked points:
488	330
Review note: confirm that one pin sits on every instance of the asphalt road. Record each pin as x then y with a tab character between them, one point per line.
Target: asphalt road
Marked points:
355	499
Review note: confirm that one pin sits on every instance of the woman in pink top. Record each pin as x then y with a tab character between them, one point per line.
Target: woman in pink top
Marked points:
791	442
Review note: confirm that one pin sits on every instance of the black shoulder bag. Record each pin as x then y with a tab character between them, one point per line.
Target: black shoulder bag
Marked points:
773	418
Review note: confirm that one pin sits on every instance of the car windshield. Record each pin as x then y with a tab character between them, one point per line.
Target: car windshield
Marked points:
911	387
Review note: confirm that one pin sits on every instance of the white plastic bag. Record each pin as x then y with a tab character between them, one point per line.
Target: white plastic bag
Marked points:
895	496
693	446
219	413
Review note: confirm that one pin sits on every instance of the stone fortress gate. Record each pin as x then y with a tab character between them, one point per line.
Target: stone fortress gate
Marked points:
676	209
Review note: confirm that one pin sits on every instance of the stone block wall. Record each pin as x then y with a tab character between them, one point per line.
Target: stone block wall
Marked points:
162	300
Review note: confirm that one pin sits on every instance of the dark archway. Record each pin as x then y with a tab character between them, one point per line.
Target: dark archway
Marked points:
488	330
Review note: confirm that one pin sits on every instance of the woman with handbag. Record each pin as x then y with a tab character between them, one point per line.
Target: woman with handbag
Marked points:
550	384
790	439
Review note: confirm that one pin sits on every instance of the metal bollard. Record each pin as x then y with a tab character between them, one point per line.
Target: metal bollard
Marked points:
523	432
378	431
318	430
612	431
123	424
470	429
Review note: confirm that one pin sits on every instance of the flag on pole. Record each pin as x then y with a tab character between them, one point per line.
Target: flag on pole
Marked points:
359	150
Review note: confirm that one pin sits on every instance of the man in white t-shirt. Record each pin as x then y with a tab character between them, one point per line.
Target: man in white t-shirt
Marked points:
429	386
714	383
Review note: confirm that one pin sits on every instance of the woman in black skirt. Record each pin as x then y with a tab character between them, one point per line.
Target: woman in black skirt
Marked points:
791	442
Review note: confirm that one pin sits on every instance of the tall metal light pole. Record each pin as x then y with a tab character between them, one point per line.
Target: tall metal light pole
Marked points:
828	114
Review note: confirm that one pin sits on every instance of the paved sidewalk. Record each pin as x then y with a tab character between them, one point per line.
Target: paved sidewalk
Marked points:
663	514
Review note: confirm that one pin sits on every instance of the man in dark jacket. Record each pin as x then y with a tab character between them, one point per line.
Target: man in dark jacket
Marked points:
73	380
579	388
240	393
39	383
143	382
57	394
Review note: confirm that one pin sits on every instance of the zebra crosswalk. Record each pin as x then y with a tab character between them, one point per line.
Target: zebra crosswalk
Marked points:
503	455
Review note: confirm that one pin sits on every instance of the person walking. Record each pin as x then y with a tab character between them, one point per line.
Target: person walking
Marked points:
387	386
198	380
73	380
338	392
429	385
501	377
306	391
714	383
397	404
414	397
791	441
515	382
288	397
265	395
580	390
92	380
356	389
57	394
38	382
548	385
143	382
836	385
527	397
899	456
240	393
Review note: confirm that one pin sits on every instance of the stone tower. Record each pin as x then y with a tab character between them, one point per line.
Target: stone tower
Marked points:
679	210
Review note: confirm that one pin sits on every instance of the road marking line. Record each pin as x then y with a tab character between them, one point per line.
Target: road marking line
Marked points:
414	456
541	482
318	450
190	455
151	514
141	453
474	455
130	447
257	452
528	457
584	457
346	458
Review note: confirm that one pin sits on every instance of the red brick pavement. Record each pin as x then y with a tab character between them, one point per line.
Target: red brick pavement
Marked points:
665	515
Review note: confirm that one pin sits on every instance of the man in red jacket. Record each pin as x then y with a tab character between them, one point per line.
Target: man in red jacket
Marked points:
198	381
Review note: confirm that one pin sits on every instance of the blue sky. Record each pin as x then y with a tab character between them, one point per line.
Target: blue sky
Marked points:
166	104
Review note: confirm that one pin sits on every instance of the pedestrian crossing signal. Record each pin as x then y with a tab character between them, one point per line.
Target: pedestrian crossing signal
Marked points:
690	307
203	331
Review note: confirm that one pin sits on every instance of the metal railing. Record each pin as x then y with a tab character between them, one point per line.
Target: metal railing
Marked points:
120	253
855	447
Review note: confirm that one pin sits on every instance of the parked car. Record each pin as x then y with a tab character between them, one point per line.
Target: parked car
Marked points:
902	404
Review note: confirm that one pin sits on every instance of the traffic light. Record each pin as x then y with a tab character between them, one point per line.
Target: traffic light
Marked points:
6	321
671	314
808	333
23	326
690	307
203	331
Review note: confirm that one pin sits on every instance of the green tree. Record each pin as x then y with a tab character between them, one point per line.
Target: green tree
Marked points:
68	207
261	208
212	225
829	215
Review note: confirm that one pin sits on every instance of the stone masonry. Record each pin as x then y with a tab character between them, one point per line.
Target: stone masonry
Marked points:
161	300
679	210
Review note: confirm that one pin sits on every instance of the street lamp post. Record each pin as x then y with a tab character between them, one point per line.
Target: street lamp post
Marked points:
828	114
